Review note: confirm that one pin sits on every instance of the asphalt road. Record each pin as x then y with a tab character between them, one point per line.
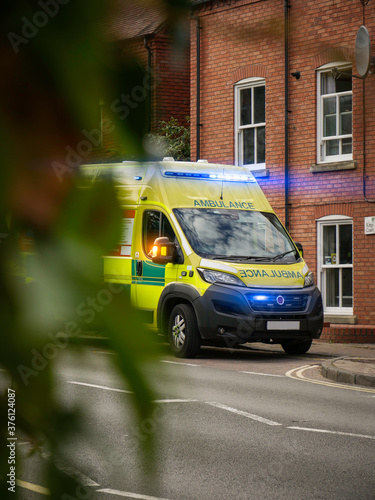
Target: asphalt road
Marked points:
228	425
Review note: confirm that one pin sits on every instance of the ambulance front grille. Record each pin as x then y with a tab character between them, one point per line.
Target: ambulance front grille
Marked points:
278	302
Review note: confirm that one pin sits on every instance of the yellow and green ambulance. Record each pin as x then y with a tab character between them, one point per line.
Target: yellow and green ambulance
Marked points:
206	259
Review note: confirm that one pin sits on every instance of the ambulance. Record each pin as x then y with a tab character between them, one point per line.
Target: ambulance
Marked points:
206	260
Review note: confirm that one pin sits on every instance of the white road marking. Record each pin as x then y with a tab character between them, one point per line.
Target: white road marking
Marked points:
297	374
70	471
217	405
291	373
99	387
176	401
264	374
127	494
103	387
324	431
74	473
177	363
244	414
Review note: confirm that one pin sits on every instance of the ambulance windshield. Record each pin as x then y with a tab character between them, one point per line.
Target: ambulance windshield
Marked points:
238	235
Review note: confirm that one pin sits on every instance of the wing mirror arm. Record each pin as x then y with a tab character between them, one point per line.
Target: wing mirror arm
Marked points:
300	248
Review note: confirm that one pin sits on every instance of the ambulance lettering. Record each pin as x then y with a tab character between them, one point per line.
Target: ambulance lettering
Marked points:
220	204
257	273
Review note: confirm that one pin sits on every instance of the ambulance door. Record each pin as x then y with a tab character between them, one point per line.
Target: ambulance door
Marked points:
117	264
150	279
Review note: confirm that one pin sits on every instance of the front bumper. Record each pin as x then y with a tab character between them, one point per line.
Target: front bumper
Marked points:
256	315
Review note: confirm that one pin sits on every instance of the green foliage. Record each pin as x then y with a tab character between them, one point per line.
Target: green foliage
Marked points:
171	139
53	75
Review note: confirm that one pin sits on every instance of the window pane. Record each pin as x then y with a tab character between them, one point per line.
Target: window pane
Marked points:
261	146
345	244
329	243
337	247
332	148
345	115
166	229
347	287
345	123
328	84
248	146
259	105
245	106
335	114
344	82
345	103
346	146
329	109
214	232
151	229
332	287
329	125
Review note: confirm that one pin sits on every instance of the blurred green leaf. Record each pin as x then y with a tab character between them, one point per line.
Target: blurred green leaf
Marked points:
57	67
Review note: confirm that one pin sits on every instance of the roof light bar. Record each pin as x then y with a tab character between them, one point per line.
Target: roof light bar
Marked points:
209	177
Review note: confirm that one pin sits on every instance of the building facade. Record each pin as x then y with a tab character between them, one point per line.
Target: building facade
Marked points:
144	40
275	87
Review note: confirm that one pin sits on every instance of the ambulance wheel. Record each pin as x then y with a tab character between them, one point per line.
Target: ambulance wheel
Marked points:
183	332
296	346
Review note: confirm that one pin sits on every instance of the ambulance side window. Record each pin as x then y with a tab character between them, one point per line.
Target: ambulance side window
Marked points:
155	224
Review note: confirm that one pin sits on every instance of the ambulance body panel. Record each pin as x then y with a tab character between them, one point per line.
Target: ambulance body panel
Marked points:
206	259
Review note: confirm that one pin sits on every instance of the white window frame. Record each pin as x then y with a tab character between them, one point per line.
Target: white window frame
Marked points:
245	84
321	157
330	220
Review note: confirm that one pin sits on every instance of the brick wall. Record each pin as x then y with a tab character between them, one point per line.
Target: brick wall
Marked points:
351	334
246	38
168	85
172	95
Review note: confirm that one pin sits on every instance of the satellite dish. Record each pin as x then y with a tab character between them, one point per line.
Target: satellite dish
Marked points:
363	51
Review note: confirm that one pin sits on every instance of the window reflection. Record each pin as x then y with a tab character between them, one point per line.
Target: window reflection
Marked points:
223	233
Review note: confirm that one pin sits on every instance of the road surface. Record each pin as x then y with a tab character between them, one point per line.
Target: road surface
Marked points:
252	424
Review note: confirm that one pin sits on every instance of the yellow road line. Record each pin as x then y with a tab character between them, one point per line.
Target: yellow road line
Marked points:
32	487
297	374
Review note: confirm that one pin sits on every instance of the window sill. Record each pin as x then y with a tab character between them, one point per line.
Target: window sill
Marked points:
335	319
334	166
261	173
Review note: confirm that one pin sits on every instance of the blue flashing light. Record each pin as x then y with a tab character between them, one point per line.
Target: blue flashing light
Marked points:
260	298
210	177
137	178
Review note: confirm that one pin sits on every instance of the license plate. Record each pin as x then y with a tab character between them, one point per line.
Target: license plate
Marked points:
283	325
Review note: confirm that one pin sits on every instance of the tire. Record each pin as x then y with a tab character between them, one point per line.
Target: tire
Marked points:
296	346
183	333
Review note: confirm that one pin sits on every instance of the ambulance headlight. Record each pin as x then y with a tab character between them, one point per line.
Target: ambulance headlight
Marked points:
309	279
218	277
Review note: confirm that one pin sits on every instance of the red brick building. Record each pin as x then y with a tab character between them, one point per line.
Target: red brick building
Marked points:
274	87
143	36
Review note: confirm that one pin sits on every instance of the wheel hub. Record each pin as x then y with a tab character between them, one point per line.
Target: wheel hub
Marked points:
178	331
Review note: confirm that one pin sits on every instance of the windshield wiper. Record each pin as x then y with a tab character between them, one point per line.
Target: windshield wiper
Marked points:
258	258
282	255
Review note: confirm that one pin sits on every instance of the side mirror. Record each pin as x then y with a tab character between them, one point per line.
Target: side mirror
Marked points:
300	248
163	251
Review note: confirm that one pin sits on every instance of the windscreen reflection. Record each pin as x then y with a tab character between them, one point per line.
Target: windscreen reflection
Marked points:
240	235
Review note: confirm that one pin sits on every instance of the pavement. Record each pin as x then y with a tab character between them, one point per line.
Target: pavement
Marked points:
343	363
349	364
